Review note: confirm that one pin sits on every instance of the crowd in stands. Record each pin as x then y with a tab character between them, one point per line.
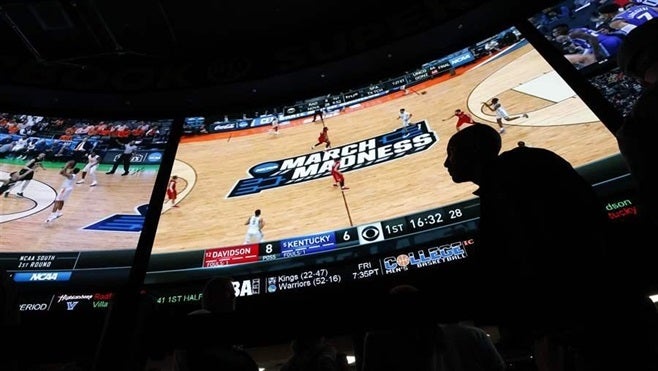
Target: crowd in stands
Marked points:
24	136
620	90
66	129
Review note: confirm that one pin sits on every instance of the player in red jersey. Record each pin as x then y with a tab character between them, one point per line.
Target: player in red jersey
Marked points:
172	193
323	138
339	179
463	119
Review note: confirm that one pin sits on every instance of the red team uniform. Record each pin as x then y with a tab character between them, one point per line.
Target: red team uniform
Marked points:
339	179
463	118
172	193
323	138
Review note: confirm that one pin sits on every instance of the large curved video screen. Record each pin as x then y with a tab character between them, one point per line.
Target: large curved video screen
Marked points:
402	212
63	219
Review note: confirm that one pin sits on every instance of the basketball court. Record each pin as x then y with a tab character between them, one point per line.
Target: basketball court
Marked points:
210	166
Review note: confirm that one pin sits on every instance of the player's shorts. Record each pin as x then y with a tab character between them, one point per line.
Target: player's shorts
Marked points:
29	176
501	113
64	194
253	236
89	167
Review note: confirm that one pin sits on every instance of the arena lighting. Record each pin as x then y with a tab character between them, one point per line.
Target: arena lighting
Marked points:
654	298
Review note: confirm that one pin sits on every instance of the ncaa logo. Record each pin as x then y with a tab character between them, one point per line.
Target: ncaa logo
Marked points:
266	168
370	233
154	157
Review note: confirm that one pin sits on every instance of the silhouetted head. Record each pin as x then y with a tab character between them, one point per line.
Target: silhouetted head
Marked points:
307	343
401	110
325	129
219	295
407	299
638	54
494	100
470	150
403	289
257	212
458	111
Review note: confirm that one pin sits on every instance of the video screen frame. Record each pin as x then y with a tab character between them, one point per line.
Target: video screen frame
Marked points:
84	225
343	227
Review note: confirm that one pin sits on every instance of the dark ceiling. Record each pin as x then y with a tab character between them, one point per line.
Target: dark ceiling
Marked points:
162	57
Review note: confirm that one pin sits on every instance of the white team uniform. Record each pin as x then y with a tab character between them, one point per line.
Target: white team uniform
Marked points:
92	164
253	230
406	118
501	113
65	190
90	168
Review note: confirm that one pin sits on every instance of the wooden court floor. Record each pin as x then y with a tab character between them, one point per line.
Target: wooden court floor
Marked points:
210	166
22	219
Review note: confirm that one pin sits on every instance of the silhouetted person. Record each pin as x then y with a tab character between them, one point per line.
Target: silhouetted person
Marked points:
420	345
209	352
311	352
218	297
342	362
542	252
638	57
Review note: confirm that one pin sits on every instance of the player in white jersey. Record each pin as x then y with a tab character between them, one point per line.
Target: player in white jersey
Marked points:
501	113
405	116
90	168
69	172
255	225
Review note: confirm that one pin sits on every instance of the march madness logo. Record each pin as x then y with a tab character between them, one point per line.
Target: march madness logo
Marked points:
369	152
